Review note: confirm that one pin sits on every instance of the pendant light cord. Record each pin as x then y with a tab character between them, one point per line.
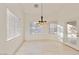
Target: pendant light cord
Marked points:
41	9
42	12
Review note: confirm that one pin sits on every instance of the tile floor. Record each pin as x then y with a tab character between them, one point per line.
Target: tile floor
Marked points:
45	47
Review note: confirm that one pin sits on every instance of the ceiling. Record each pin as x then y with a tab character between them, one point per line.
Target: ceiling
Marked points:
51	8
57	11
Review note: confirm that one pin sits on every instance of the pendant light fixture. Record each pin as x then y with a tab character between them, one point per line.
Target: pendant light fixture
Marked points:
41	21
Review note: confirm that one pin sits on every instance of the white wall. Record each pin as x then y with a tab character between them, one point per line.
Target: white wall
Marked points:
10	47
2	30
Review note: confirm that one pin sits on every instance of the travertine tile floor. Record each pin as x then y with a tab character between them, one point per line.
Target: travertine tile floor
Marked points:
45	47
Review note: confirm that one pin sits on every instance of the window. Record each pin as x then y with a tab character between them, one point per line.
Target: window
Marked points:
71	33
37	28
53	28
60	32
57	30
13	25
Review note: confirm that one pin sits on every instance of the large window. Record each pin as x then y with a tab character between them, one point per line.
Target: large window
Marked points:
13	25
71	32
35	28
53	28
57	30
38	28
60	32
